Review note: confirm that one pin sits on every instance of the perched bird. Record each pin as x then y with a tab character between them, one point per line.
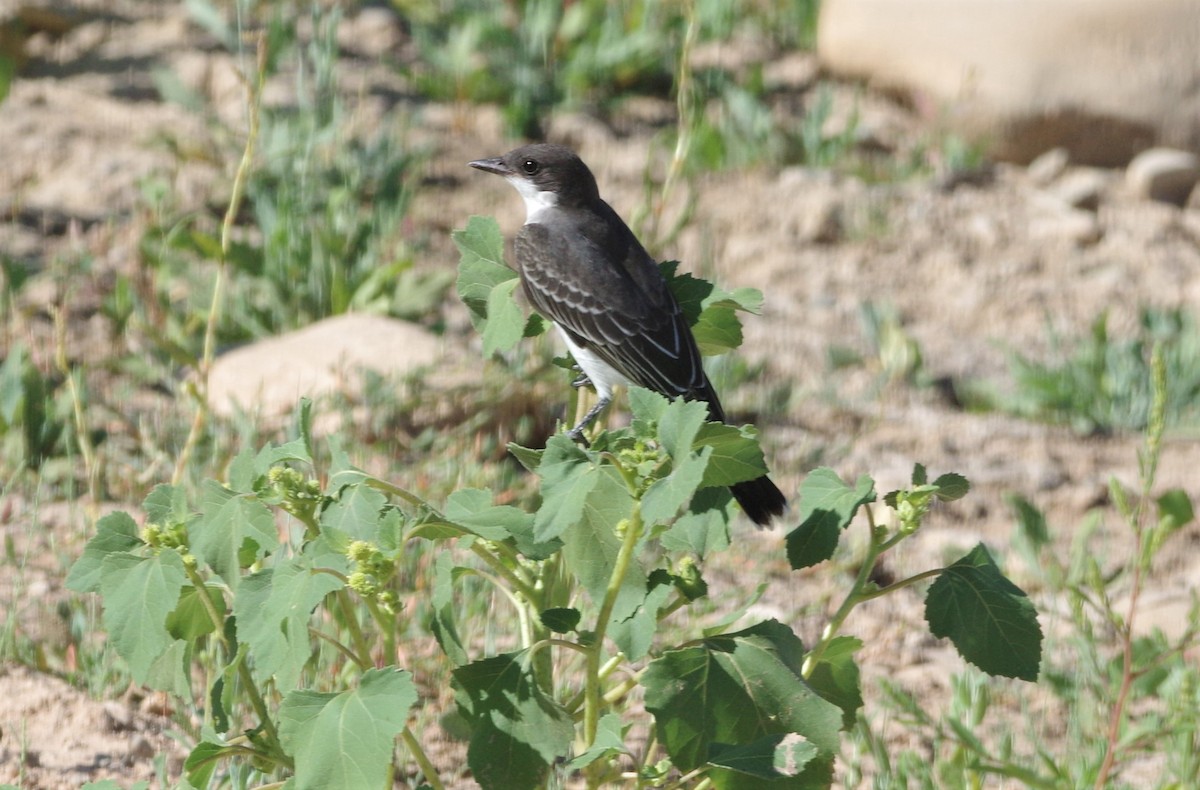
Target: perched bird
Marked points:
582	267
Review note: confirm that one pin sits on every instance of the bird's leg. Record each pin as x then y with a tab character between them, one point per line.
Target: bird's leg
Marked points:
576	433
581	381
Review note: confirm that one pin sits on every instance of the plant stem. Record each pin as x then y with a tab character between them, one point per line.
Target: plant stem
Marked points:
427	769
210	329
361	648
592	697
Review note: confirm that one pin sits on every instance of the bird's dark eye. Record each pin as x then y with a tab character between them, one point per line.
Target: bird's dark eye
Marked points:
530	166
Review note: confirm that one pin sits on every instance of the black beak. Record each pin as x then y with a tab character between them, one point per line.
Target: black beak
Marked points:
494	165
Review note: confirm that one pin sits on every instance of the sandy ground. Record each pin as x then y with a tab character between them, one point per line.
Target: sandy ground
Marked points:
974	270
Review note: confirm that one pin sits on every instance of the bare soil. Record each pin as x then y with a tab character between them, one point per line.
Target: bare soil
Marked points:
975	268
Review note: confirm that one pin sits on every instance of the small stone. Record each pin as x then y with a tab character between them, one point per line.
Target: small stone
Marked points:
1080	188
1167	175
117	717
1053	220
141	748
1048	166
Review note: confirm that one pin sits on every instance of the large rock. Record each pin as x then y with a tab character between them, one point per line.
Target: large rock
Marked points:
1104	79
267	378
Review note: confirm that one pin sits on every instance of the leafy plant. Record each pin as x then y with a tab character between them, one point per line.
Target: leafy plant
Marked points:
297	621
1121	695
1103	383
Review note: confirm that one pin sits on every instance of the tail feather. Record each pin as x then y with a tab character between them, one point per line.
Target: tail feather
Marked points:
761	500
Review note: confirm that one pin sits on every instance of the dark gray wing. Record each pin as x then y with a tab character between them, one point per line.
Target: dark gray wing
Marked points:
593	279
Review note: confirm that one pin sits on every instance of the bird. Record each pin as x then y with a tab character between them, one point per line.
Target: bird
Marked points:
584	269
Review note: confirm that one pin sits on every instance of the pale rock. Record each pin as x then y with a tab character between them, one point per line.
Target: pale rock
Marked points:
1163	174
1053	220
269	377
1102	78
1080	188
1048	166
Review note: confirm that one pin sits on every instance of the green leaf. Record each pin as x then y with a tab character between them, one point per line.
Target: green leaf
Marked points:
988	618
517	732
273	607
529	458
717	331
190	620
1030	521
568	477
951	486
827	506
560	620
443	623
591	544
667	495
506	323
473	508
116	533
139	593
228	524
481	266
704	528
634	634
736	455
1175	510
170	671
356	513
345	741
166	504
679	424
781	754
836	677
733	691
609	741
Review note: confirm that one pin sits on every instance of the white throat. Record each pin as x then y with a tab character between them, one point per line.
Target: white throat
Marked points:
536	200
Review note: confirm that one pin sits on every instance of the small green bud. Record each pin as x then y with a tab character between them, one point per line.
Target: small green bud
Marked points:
362	583
189	561
359	551
151	535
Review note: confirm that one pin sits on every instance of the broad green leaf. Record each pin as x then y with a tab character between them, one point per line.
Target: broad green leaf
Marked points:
781	754
229	524
481	265
736	455
734	690
345	741
517	732
568	477
170	671
836	678
356	513
591	544
609	741
166	504
717	331
667	495
827	506
273	607
191	620
139	593
704	528
474	509
988	618
202	761
116	533
634	634
646	407
530	458
506	323
678	425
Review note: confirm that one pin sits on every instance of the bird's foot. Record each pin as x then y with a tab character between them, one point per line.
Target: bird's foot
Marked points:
581	381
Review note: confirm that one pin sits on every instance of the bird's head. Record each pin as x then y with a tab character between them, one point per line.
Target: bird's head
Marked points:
546	175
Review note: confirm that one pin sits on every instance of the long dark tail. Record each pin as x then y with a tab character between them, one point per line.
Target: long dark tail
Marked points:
761	500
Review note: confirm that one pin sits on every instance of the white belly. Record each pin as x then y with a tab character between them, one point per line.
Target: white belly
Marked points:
603	375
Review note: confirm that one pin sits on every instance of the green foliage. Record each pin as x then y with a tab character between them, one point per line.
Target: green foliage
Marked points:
1103	383
35	412
287	582
322	231
1119	694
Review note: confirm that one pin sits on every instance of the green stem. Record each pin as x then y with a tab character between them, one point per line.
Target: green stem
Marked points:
387	624
853	598
361	647
525	588
427	769
868	595
256	700
592	697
